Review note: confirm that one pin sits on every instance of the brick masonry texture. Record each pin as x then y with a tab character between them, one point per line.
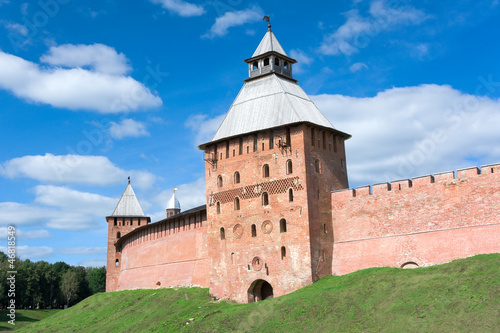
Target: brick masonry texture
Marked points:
240	240
425	221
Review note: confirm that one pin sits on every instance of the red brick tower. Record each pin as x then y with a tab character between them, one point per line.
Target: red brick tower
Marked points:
127	216
270	169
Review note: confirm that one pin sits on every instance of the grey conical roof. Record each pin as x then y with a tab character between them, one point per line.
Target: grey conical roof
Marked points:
267	102
128	204
267	44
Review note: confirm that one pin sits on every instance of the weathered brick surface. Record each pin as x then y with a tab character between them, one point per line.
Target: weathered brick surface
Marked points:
329	229
306	245
155	258
436	220
171	252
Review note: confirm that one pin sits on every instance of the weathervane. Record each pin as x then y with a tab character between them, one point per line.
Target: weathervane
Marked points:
129	179
267	18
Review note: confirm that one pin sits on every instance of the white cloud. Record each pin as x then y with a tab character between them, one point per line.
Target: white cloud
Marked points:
23	214
413	131
203	128
99	57
357	31
57	208
31	252
83	250
233	19
29	234
127	128
76	169
75	201
302	60
357	67
74	88
181	8
93	262
14	213
17	28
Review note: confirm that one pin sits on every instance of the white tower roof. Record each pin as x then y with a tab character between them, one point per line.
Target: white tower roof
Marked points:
128	204
269	98
173	203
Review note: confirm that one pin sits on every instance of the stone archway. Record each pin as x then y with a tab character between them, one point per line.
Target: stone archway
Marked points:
260	290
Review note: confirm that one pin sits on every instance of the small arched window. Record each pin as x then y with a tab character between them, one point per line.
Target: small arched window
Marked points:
219	181
222	234
236	177
266	62
285	65
117	262
116	223
289	167
255	65
276	61
236	203
283	252
218	207
254	230
290	195
265	199
282	225
317	166
118	234
265	171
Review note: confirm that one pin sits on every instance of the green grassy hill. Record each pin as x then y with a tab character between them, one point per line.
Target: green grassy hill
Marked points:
463	295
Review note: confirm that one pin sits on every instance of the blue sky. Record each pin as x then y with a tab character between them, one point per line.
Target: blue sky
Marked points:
93	92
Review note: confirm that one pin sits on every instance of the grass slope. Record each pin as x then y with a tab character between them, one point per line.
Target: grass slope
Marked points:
23	318
463	295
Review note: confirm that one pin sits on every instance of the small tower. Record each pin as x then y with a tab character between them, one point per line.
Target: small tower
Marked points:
173	207
127	216
269	57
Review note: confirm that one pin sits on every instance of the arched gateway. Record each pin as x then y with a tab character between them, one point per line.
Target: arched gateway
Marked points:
260	290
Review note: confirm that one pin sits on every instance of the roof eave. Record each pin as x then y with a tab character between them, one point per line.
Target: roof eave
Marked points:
113	216
263	55
346	136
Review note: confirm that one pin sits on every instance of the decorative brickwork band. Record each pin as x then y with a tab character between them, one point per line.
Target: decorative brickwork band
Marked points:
254	191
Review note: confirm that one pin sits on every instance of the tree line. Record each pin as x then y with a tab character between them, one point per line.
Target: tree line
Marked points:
41	285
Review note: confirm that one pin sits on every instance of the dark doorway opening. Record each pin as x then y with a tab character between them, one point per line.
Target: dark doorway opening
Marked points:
260	290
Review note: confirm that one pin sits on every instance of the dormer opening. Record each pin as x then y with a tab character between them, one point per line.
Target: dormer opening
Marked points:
276	61
255	65
286	65
266	61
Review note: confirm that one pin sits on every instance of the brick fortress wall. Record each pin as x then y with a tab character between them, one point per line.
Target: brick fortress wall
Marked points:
423	221
170	252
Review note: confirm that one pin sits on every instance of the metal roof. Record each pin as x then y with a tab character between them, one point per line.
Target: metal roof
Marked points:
267	102
173	203
128	204
267	44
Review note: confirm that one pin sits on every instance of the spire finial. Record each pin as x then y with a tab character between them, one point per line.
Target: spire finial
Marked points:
175	189
129	179
267	18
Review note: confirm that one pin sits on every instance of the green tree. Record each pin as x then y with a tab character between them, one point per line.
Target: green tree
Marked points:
69	286
97	279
